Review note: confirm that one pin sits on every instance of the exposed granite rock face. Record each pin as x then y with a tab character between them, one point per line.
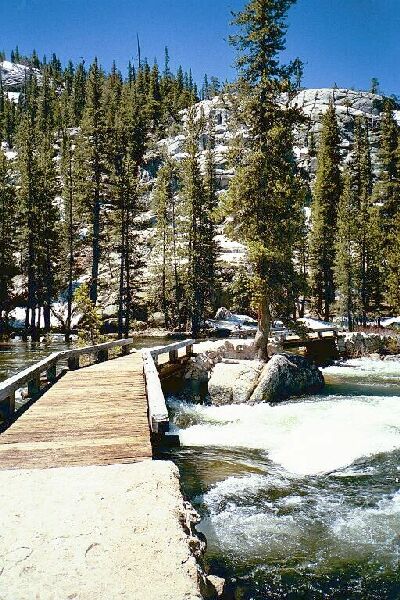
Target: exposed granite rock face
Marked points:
349	104
234	377
287	375
13	75
233	382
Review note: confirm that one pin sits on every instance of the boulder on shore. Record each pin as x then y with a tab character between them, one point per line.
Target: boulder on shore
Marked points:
232	382
287	375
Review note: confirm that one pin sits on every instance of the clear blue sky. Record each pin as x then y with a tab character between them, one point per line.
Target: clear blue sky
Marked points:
346	42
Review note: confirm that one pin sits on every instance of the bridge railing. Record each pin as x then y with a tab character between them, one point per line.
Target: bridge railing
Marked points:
158	412
32	376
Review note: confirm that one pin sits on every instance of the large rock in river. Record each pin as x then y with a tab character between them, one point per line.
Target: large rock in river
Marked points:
233	382
287	375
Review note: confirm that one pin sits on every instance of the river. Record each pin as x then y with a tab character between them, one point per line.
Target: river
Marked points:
300	500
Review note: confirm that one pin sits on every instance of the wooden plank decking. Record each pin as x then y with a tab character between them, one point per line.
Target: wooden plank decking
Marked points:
93	416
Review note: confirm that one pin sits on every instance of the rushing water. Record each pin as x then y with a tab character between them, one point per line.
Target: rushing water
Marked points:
300	500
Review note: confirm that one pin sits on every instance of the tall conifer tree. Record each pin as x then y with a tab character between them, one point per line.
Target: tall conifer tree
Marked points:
266	194
92	165
8	241
325	205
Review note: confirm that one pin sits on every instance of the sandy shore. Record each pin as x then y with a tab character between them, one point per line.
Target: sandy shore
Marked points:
106	532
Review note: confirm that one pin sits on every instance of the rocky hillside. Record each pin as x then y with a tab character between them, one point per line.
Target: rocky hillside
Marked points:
13	75
349	104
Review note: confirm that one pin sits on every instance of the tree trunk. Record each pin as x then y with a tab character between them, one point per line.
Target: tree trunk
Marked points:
176	275
326	309
95	249
262	336
122	273
71	255
128	299
164	280
46	316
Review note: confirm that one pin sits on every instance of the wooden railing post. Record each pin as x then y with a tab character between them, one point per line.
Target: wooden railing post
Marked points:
11	404
7	408
73	363
126	350
51	373
173	356
189	350
102	356
34	386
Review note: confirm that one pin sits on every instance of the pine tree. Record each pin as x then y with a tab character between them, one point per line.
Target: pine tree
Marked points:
153	103
49	232
69	184
393	266
48	187
79	92
325	204
89	328
125	177
345	266
28	196
376	266
387	194
210	249
92	165
374	86
205	90
164	202
8	241
193	197
265	195
9	122
388	183
363	188
2	103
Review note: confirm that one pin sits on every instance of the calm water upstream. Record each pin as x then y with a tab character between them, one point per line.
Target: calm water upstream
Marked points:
16	355
300	500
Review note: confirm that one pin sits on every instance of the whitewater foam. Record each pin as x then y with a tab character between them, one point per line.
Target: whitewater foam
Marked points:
306	437
365	369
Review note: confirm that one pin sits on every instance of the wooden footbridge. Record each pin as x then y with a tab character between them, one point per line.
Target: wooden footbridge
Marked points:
320	345
105	413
